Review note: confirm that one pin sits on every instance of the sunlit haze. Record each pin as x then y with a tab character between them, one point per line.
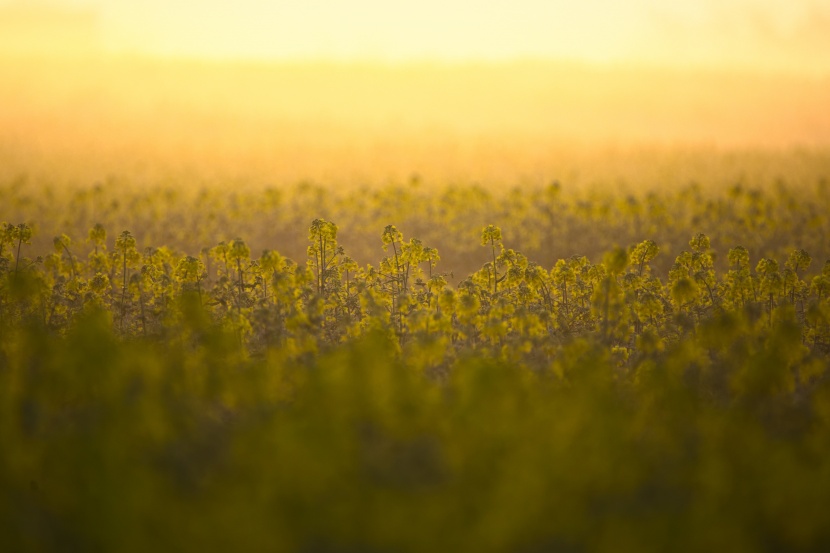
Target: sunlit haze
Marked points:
759	33
369	87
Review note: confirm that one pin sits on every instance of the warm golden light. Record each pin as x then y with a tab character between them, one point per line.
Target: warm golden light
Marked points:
374	90
769	33
775	34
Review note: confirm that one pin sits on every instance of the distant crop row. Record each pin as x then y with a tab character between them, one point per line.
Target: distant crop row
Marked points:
511	305
545	221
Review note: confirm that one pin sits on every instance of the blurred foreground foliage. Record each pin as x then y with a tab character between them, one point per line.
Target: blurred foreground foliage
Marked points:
718	442
224	400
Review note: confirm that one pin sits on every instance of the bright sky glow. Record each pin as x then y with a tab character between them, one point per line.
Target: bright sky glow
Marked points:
779	34
134	82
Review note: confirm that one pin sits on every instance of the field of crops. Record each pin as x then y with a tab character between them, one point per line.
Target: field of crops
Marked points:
419	366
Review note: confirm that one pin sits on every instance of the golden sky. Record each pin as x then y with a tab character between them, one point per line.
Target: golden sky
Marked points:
591	74
761	34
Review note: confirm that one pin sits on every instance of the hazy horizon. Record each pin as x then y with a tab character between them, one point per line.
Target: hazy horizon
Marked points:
360	91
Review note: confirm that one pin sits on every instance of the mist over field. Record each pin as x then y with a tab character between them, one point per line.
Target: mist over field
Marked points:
359	123
120	131
277	95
